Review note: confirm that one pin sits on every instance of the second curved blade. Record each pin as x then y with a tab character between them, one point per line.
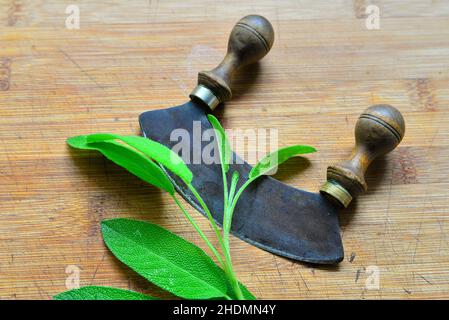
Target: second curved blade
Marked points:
270	214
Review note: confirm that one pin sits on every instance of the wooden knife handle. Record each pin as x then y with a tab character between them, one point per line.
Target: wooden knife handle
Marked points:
250	40
379	129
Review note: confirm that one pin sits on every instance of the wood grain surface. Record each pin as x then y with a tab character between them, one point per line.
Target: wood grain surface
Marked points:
131	56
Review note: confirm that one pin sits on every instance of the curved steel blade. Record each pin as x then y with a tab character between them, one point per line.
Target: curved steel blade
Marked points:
270	214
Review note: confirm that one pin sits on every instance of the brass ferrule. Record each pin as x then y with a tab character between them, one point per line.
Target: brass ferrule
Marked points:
338	192
205	95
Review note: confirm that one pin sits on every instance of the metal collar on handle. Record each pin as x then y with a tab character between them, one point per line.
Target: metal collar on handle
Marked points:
336	191
205	95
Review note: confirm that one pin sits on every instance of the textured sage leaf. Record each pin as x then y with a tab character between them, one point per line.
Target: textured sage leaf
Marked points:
164	259
131	160
274	159
101	293
151	149
225	148
246	293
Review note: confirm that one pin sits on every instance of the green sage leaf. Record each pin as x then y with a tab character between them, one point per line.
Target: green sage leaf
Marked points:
151	149
131	160
164	259
101	293
222	141
246	293
274	159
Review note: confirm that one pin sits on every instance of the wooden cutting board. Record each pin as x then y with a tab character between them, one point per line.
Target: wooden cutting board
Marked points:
132	56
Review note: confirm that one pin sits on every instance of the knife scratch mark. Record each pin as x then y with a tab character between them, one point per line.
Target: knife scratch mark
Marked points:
422	277
279	272
277	266
352	257
258	281
387	214
80	68
357	275
303	280
96	269
42	293
417	239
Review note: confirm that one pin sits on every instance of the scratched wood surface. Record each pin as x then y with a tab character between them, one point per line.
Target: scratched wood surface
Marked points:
132	56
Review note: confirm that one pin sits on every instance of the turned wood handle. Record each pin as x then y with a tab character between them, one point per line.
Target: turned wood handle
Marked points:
378	130
250	40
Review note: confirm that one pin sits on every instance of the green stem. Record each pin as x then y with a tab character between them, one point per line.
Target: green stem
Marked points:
229	269
207	211
225	245
234	202
232	277
198	229
227	264
225	196
226	231
230	213
230	274
235	180
227	250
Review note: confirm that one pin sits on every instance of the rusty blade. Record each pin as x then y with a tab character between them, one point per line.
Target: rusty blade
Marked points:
270	214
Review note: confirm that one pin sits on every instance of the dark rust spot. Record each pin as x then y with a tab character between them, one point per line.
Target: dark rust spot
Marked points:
352	257
404	171
425	94
359	7
357	274
5	73
14	10
95	214
421	94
